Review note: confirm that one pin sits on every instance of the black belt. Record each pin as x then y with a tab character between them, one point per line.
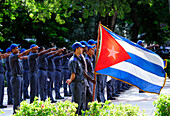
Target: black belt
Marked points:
50	70
17	75
65	68
78	80
42	69
58	70
32	72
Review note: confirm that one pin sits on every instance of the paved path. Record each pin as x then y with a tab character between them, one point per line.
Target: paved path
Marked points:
131	96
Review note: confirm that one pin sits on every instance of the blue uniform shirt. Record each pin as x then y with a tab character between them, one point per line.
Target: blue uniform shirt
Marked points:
50	63
32	62
7	64
42	62
75	66
25	64
1	67
57	62
89	61
65	62
15	64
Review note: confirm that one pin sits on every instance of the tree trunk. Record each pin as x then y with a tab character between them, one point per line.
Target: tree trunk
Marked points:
136	26
113	22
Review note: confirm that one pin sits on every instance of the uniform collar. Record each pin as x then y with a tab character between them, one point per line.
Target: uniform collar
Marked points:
77	56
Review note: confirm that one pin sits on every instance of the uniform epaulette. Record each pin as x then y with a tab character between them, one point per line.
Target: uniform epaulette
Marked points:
87	57
75	59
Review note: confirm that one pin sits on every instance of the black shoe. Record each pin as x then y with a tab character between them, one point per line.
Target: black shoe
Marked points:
53	101
66	95
2	106
115	95
10	103
26	97
118	92
59	97
112	98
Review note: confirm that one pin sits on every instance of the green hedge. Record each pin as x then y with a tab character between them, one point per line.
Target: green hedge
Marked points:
67	108
162	105
41	108
110	109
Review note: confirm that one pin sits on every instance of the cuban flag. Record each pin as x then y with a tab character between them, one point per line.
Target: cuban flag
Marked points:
126	61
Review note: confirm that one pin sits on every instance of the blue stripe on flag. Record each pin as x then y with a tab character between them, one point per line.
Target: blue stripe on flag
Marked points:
125	76
146	65
128	41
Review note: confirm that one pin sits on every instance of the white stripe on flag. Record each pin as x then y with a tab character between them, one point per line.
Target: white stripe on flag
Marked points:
141	53
140	73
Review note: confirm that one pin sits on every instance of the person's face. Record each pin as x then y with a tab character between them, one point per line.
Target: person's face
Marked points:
85	49
91	51
142	44
8	52
15	50
35	50
79	50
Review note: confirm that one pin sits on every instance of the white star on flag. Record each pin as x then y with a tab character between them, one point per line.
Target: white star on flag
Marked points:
112	52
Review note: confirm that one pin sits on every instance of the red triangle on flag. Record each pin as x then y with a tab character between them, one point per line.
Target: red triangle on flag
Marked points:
111	52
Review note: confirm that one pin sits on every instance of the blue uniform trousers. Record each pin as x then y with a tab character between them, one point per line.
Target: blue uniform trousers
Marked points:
33	85
100	86
57	82
9	87
16	89
26	82
66	75
1	89
109	89
114	86
119	85
78	95
42	76
88	93
50	75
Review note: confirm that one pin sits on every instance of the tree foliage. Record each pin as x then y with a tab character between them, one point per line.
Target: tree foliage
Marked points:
64	21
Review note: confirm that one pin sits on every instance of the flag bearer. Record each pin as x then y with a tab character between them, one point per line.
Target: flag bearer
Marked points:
90	69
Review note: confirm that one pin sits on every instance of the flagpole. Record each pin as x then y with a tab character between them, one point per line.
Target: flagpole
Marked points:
94	85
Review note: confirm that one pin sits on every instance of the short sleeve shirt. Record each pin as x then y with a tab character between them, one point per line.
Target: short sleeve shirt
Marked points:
89	64
25	64
50	63
57	62
42	61
32	62
1	66
15	64
65	62
75	66
7	64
